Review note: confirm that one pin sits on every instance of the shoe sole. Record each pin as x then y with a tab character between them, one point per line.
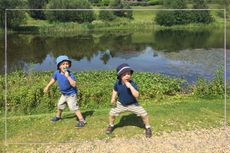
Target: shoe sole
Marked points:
80	127
108	132
56	121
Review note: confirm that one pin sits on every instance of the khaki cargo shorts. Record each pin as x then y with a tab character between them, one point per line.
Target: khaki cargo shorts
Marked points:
134	108
71	101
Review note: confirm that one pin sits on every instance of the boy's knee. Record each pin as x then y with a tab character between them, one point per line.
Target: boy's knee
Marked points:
73	109
61	107
111	113
144	115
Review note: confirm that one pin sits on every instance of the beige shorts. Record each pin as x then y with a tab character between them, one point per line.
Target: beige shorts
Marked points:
71	101
134	108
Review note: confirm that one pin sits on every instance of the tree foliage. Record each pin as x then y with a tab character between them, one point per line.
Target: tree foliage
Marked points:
70	16
119	4
106	15
35	4
170	18
14	18
179	17
203	16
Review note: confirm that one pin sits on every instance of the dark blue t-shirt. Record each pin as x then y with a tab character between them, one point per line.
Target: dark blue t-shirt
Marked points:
63	82
124	94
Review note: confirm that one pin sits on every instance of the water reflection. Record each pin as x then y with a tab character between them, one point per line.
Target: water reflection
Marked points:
178	52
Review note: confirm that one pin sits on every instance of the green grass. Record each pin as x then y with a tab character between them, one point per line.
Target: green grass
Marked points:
142	20
171	114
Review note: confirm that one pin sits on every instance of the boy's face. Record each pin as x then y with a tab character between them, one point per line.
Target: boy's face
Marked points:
126	76
64	64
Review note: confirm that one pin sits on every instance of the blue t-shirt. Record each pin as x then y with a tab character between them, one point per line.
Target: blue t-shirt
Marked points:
124	94
63	83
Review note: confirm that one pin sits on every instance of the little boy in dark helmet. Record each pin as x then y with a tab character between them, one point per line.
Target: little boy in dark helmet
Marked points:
127	92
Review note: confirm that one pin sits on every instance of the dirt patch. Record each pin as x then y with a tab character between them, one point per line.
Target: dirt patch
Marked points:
197	141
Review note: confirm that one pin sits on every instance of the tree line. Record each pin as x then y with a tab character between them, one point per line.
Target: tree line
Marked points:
166	18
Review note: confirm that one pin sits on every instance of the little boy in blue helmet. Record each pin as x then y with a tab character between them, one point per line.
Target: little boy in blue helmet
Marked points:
68	88
127	92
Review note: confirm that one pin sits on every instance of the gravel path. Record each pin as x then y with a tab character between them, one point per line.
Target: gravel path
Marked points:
197	141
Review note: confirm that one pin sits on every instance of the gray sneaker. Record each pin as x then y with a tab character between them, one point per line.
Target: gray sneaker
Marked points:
55	119
109	130
80	124
148	132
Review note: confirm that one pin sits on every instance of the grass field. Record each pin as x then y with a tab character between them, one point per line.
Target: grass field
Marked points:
171	114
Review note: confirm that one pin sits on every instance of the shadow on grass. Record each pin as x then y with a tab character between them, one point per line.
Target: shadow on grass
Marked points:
130	120
84	114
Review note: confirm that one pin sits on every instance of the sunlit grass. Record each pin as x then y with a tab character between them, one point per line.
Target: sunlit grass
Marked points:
184	113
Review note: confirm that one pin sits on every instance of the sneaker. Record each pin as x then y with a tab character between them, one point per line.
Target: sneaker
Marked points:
148	132
55	119
80	124
109	130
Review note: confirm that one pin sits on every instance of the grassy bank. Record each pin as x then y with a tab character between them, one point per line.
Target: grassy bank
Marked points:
142	20
171	107
30	99
25	89
171	114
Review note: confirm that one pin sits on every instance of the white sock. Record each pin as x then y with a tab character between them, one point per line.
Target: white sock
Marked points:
112	125
147	126
84	121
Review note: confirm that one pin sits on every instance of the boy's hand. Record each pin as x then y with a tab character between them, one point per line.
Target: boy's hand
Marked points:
46	89
113	101
67	74
128	84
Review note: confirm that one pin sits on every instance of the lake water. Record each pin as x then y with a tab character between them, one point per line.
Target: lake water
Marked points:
182	53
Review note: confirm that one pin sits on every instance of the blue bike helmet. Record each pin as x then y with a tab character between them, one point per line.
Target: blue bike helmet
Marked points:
62	58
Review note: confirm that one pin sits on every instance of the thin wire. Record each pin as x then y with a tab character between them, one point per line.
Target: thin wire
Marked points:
5	117
109	9
225	76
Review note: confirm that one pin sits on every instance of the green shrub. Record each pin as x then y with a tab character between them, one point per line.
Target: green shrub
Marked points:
214	87
165	18
118	4
70	16
155	2
14	18
106	15
180	17
25	90
35	4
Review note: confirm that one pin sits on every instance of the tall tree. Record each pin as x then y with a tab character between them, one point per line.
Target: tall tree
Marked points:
119	4
181	16
202	16
14	18
169	18
70	16
37	4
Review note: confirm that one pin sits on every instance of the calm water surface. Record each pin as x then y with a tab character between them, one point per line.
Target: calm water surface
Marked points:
180	53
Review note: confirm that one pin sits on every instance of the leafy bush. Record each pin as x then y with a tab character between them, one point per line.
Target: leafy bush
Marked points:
14	18
35	4
165	18
25	90
155	2
70	16
105	2
106	15
201	16
181	17
214	87
118	4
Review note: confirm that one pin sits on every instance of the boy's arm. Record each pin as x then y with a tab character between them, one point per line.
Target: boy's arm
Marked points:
71	81
113	98
52	81
134	92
